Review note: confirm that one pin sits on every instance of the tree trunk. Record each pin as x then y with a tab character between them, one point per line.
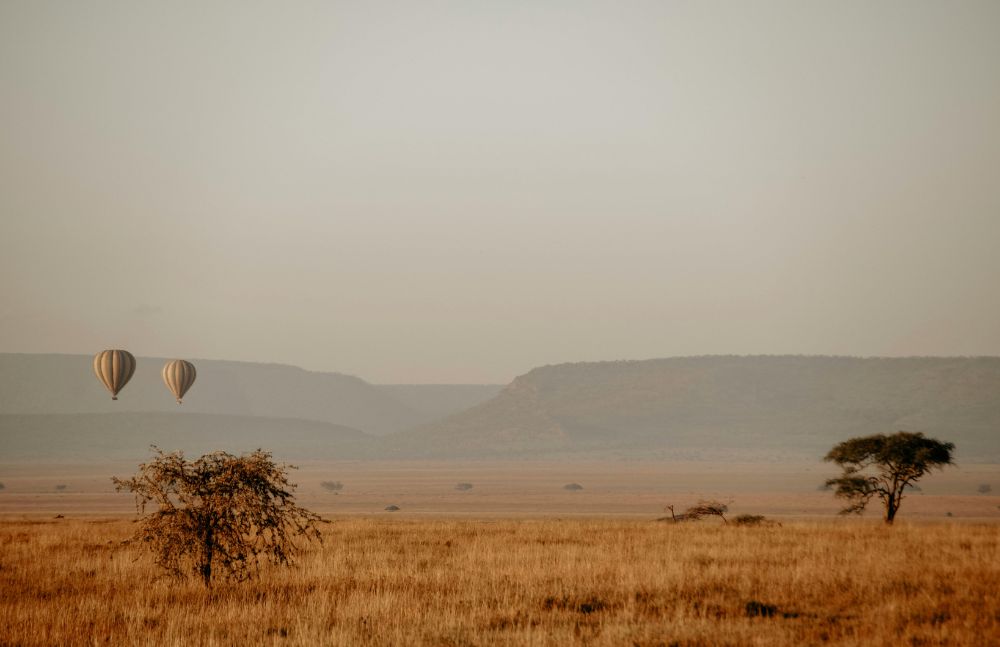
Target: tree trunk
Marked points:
890	509
206	560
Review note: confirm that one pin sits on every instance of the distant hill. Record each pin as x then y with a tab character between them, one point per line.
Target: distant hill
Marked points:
724	408
109	437
52	384
735	407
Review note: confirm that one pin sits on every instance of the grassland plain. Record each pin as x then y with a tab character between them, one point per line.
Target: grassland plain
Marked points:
378	581
520	490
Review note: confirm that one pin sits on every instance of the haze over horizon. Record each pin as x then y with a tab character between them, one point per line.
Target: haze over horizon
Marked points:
459	192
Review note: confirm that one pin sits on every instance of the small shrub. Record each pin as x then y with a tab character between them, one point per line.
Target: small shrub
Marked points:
757	609
749	520
583	604
2	486
332	486
462	487
985	488
61	487
754	520
572	487
391	508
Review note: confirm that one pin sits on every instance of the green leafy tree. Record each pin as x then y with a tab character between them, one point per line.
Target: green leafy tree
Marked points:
218	512
883	466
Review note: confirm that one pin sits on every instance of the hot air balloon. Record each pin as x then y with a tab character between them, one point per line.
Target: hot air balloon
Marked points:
178	375
114	368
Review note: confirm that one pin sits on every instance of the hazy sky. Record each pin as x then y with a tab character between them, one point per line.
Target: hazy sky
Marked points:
460	191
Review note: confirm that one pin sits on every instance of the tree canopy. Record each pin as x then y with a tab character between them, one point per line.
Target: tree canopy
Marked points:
219	510
884	466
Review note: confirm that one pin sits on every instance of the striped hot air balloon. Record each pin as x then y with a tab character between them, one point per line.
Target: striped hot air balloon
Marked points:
178	375
114	368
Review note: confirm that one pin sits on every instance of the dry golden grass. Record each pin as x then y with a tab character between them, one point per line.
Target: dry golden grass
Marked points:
539	582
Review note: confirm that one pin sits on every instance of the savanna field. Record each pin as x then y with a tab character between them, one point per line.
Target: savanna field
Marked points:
378	581
499	324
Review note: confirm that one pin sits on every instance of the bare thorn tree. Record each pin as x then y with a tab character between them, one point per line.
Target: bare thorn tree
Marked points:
704	508
677	518
218	512
708	508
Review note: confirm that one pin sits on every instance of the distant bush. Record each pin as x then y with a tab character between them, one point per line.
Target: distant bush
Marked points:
572	487
2	486
391	508
757	609
462	487
749	520
985	488
581	604
754	520
332	486
61	487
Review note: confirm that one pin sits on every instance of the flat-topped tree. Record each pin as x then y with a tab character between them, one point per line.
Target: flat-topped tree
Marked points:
884	466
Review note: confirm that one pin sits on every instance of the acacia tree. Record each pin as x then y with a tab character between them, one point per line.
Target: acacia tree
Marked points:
220	510
884	466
